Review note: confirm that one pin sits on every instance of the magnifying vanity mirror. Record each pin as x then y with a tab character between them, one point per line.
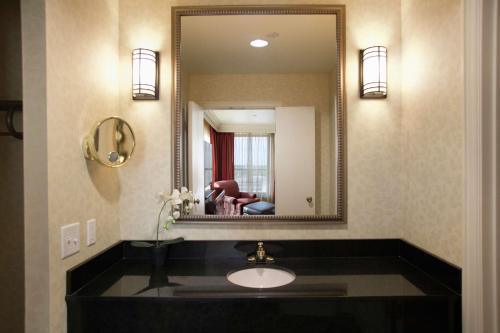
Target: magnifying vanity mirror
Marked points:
259	113
111	142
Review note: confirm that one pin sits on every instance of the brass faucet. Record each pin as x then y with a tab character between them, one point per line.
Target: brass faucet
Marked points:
260	255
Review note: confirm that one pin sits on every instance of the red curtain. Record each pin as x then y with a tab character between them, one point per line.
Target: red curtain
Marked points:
222	155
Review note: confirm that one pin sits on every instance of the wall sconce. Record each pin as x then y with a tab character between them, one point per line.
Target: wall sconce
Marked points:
373	72
145	69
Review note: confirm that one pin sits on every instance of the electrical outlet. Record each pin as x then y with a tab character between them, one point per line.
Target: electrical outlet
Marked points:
70	239
91	232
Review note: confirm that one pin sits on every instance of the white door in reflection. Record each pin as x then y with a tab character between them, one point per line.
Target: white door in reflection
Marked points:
295	160
196	154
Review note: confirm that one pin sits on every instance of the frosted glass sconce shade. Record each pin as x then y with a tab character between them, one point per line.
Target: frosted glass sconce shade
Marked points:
373	72
145	64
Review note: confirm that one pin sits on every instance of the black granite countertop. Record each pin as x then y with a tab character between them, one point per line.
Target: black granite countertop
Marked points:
354	286
315	277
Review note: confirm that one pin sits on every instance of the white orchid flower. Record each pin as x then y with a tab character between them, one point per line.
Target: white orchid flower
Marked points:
176	197
176	203
185	194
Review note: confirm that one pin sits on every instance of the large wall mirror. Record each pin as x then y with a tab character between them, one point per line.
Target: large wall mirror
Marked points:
259	113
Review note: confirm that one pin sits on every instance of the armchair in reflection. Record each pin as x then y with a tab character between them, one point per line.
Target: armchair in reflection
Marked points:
234	200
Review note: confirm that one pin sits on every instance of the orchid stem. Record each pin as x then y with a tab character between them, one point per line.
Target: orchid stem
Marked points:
158	226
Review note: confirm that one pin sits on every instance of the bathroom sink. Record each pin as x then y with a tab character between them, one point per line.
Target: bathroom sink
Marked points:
261	277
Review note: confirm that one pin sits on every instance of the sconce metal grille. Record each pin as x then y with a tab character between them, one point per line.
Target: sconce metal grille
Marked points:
145	65
373	72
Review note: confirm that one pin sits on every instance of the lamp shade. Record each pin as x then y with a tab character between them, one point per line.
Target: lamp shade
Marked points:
145	74
373	72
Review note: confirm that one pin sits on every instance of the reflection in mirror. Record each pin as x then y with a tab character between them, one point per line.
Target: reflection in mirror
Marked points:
260	124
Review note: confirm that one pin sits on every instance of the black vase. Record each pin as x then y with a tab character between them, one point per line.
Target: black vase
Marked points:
158	255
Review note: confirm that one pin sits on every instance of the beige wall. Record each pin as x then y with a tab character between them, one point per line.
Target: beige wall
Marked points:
392	162
11	176
374	151
433	125
81	87
70	89
77	97
36	234
311	89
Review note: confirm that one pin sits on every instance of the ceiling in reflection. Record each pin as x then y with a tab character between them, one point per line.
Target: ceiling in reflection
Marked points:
242	117
221	44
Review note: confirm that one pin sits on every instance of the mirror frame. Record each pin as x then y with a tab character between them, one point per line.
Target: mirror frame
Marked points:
177	115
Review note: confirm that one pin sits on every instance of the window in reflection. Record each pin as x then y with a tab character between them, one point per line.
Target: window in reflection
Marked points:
253	164
207	162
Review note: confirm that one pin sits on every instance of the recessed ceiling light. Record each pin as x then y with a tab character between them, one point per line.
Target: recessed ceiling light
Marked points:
259	43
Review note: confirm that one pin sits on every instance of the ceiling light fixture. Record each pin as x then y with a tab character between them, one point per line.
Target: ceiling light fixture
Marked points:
259	43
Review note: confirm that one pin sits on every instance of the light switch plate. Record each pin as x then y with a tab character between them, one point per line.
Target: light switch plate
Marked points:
91	232
70	239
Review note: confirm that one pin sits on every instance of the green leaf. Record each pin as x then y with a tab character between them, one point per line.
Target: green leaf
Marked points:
172	241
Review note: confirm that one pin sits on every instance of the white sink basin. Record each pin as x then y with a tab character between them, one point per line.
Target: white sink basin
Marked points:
261	277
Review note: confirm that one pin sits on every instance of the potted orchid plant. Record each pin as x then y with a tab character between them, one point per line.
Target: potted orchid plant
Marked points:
177	203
